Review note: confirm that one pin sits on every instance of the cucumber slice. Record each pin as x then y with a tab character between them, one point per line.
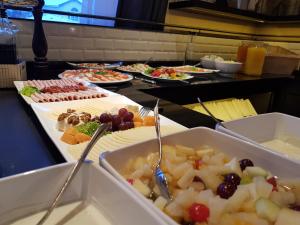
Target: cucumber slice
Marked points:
267	209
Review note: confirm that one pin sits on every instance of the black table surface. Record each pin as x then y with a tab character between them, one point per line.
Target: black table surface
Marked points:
25	145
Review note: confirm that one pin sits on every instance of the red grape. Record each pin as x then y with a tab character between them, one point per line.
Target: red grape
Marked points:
116	121
123	126
295	207
123	112
128	117
226	190
129	125
105	118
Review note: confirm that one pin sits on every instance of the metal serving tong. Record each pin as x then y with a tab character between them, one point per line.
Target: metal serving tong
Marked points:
160	177
212	116
98	134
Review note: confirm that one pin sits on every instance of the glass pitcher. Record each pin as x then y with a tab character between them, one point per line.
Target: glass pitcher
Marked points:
8	51
255	59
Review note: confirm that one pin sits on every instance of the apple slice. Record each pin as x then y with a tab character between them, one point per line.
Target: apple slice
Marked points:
267	209
288	217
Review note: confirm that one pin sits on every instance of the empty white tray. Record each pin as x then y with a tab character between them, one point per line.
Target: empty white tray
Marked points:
93	191
196	137
267	127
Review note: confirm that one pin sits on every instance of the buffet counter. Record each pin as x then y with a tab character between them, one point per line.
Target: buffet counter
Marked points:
26	146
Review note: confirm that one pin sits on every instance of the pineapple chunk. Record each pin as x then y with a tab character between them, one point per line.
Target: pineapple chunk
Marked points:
210	179
204	152
186	198
174	209
179	170
242	218
139	163
204	196
141	187
217	159
186	179
236	201
160	202
183	150
217	206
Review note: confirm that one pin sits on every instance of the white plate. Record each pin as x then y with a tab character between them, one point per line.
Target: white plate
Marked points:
93	197
106	66
188	77
195	72
47	114
19	85
115	161
130	77
121	139
128	71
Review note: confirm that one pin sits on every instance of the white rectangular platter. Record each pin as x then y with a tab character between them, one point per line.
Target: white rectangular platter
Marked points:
19	85
47	114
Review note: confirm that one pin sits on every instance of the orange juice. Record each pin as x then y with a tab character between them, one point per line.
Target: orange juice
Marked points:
242	53
255	61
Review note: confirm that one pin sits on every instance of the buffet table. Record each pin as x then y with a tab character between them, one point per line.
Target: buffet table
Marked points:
25	145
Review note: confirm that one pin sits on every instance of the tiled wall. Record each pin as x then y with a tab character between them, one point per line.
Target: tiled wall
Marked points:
73	42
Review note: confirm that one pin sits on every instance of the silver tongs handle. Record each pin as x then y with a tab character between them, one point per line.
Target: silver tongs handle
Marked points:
157	128
98	134
212	116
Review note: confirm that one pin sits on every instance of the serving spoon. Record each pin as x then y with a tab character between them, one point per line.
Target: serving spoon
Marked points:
160	177
98	134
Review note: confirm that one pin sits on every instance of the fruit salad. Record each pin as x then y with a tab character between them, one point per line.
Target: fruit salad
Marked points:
210	188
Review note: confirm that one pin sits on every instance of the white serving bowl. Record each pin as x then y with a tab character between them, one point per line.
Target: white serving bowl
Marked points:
228	66
267	127
208	63
115	161
93	192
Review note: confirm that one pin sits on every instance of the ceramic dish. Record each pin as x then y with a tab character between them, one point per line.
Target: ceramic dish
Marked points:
95	65
228	66
193	69
94	197
134	68
20	84
48	113
115	162
166	74
97	76
279	133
